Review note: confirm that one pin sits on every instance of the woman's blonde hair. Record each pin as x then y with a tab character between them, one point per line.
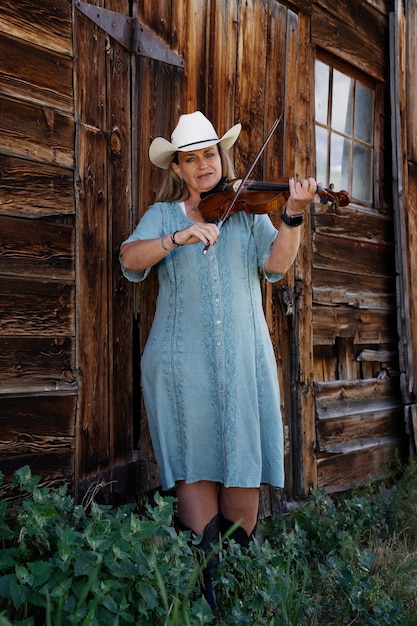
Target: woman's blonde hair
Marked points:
172	188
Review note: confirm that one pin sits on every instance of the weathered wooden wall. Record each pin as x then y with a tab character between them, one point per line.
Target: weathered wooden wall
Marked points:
359	425
38	382
77	114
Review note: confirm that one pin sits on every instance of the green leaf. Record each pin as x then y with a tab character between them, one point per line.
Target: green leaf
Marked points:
41	571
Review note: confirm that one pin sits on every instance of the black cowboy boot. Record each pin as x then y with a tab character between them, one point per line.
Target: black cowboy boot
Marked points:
210	537
239	534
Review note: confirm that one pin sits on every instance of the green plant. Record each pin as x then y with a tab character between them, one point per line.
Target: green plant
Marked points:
63	565
333	561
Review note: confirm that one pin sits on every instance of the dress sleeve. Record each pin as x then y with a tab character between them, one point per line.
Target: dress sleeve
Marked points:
150	226
265	233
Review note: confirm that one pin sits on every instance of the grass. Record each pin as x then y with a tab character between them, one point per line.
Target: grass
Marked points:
332	561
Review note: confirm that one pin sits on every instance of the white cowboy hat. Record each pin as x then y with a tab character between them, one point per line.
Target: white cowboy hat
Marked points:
193	132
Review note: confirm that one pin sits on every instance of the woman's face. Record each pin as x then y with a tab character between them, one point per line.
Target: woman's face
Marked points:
201	170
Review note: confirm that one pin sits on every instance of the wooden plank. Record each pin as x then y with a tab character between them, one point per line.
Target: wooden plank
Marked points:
335	434
411	84
341	472
36	363
353	256
36	307
93	440
368	226
341	397
36	248
220	69
48	26
275	159
35	74
250	102
368	21
358	299
191	37
36	132
303	416
34	420
93	281
363	286
55	468
120	291
348	43
30	189
365	326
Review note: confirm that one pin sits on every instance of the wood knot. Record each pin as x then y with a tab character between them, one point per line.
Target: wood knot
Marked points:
115	141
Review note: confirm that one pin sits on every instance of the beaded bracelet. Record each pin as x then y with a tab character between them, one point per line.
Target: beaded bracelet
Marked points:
177	245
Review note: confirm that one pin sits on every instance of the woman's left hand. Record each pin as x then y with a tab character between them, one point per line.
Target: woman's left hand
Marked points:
301	194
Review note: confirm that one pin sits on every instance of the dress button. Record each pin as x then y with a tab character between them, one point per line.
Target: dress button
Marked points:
218	321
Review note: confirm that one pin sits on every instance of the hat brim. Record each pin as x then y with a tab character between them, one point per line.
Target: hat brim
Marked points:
162	151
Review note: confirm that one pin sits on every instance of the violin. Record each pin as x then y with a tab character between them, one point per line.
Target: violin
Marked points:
254	196
257	197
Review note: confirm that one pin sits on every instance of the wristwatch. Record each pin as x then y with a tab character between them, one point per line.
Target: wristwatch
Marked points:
292	220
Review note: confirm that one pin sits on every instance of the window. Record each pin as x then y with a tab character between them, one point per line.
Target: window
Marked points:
344	132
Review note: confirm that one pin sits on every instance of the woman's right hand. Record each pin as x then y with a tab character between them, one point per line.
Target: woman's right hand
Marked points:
199	231
138	255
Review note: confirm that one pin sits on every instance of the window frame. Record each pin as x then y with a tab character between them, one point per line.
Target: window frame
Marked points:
380	202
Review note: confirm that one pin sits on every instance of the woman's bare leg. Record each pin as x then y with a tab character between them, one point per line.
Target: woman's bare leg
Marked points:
198	503
240	503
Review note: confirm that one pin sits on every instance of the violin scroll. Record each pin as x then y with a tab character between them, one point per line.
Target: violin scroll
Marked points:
337	198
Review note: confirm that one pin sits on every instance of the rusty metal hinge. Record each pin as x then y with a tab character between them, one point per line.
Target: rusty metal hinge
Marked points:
131	33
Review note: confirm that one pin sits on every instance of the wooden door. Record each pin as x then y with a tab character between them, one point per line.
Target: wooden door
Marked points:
357	418
103	196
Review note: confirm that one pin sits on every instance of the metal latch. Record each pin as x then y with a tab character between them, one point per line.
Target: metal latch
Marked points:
131	33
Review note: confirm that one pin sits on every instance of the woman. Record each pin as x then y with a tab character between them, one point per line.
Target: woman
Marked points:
208	369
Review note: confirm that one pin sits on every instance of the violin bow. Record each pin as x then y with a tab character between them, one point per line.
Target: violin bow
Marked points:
227	212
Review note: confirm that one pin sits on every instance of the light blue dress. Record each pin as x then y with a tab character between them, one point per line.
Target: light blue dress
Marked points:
208	369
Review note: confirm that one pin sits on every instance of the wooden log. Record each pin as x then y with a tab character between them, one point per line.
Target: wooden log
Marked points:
353	256
36	248
341	472
40	23
36	307
340	397
336	434
36	74
364	325
30	364
30	189
36	132
367	286
34	419
367	226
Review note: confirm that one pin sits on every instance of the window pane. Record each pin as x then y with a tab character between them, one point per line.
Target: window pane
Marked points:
362	173
321	91
321	155
363	113
342	103
339	162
